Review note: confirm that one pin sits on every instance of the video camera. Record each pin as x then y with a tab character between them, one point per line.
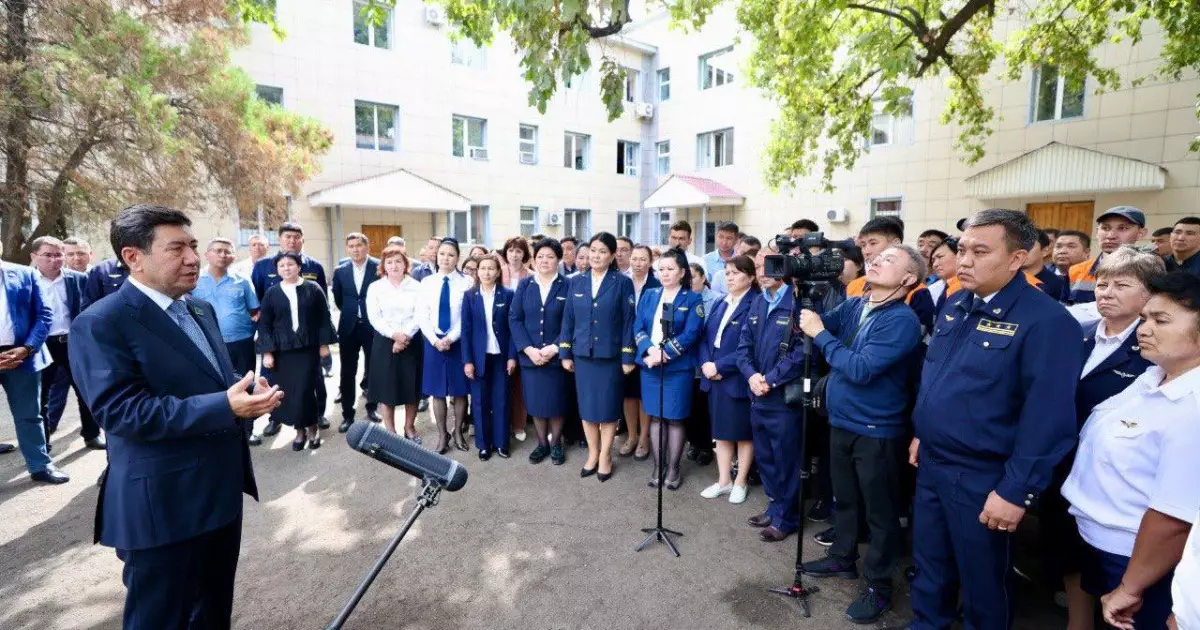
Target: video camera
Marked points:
804	266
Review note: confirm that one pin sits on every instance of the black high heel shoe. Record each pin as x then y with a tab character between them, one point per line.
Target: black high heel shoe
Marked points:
299	445
584	472
315	442
460	442
604	476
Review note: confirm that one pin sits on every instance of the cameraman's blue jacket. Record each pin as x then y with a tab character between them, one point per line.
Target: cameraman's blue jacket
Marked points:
868	391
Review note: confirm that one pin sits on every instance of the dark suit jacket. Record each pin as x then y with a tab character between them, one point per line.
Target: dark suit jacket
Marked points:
1111	377
726	357
533	323
263	275
275	332
31	317
178	462
352	303
76	287
474	327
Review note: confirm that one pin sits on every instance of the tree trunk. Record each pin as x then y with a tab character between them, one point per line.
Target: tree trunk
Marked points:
14	198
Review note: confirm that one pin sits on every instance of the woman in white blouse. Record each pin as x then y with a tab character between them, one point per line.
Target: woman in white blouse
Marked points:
1132	488
440	318
394	378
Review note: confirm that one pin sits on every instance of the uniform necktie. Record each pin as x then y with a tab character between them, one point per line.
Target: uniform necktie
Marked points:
444	307
179	313
977	305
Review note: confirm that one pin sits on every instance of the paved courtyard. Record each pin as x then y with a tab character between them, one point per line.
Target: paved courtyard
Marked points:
521	546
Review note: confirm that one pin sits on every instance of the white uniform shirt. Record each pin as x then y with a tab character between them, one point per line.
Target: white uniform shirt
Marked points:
1106	345
54	295
543	289
733	304
1138	451
596	282
431	293
489	301
392	309
359	272
1185	589
289	291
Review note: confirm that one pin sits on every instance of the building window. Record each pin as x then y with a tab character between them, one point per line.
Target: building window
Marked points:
464	52
627	225
528	141
664	85
715	69
375	125
714	149
529	221
575	150
377	35
1056	96
470	137
629	154
662	227
663	157
886	207
633	79
269	94
470	226
577	223
888	128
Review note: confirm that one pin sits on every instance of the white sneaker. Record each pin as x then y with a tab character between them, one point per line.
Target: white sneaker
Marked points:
520	435
715	491
738	494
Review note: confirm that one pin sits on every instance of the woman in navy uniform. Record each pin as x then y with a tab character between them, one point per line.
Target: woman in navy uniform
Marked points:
668	361
442	374
536	318
637	423
597	345
728	394
699	425
489	358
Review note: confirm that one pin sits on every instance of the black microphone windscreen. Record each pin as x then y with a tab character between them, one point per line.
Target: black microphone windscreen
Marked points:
376	441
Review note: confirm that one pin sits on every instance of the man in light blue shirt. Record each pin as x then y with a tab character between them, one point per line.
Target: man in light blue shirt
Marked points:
714	261
232	297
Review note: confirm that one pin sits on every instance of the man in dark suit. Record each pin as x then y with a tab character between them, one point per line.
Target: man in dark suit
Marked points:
350	282
156	375
62	292
103	280
24	325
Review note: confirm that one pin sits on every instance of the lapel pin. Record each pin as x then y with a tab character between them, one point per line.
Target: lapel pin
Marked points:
996	311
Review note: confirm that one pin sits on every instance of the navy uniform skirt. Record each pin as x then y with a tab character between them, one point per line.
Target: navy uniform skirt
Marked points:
730	416
599	384
545	390
677	390
442	372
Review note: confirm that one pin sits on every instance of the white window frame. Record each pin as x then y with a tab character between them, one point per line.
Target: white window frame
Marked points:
580	143
1060	90
664	84
375	117
633	84
464	52
465	121
571	223
719	77
387	26
528	227
477	215
894	126
706	150
527	146
661	167
877	201
627	149
662	227
628	224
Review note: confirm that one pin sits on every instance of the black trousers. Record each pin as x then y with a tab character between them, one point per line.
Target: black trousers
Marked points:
349	345
698	428
57	346
186	585
866	480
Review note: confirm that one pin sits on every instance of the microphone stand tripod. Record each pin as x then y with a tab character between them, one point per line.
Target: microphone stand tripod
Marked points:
797	590
658	532
429	498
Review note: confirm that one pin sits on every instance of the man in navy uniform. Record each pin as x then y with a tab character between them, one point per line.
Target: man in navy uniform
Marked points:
103	280
350	282
994	414
264	276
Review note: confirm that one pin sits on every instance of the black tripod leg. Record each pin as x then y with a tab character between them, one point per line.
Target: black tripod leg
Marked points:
658	532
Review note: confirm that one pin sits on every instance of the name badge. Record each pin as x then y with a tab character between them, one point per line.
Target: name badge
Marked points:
781	322
997	328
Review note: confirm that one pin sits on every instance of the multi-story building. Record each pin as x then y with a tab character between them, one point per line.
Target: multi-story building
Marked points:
436	137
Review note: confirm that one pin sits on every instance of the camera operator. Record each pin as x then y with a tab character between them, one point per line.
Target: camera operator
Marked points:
875	236
869	343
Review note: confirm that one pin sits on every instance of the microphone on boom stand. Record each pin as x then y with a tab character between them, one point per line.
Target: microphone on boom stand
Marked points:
658	532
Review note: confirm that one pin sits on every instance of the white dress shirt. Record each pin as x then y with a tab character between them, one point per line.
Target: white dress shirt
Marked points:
359	272
54	295
431	293
1187	583
1137	451
289	291
163	300
544	289
596	282
733	304
8	333
392	309
1106	345
489	300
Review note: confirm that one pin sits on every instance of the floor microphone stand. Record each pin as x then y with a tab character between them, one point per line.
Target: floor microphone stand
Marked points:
797	590
658	532
429	498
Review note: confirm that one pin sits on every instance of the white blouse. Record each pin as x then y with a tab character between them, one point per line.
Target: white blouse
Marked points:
289	291
733	304
544	289
392	309
427	310
489	302
596	282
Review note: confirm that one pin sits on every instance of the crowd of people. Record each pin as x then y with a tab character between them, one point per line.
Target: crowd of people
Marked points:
963	382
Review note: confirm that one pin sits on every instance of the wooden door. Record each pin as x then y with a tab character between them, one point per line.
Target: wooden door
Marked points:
1067	215
379	234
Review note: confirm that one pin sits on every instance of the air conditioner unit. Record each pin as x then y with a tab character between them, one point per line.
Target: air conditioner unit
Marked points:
644	110
836	215
528	157
435	15
479	154
554	218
